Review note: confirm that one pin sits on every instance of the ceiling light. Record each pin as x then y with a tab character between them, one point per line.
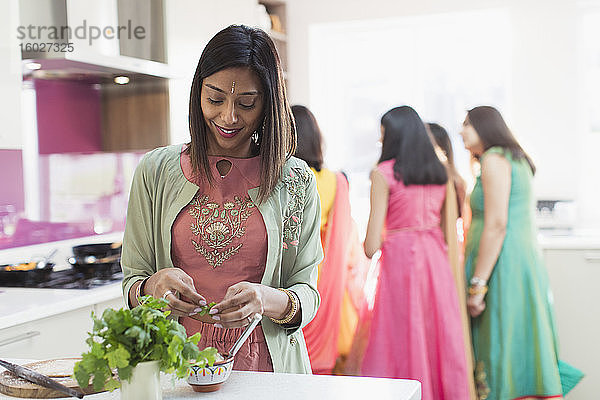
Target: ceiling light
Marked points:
121	80
33	65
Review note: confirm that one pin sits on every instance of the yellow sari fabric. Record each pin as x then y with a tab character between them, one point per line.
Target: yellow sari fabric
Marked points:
330	333
326	186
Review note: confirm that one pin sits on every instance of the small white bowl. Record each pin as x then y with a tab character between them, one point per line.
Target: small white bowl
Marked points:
210	378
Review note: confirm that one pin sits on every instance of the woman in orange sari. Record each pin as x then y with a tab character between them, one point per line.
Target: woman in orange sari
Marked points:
329	335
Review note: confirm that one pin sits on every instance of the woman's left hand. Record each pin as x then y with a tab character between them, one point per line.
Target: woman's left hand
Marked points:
241	302
476	304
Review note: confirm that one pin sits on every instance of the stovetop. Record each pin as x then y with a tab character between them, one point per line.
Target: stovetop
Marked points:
70	279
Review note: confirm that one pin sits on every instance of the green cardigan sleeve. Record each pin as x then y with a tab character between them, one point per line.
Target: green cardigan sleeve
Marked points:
136	258
301	276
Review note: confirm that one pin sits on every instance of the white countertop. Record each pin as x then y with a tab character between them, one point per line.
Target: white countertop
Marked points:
270	386
20	305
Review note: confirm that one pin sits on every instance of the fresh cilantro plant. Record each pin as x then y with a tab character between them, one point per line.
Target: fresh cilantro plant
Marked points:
123	338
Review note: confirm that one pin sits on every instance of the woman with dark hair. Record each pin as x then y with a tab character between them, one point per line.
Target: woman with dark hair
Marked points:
337	315
457	187
514	337
309	139
416	329
231	216
440	135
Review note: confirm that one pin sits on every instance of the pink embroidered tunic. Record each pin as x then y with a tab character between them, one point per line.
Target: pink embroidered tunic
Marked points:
220	239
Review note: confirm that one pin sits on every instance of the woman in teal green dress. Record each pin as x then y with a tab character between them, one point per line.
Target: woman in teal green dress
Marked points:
510	302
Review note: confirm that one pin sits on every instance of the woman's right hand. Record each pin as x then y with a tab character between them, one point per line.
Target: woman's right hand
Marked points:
175	280
476	304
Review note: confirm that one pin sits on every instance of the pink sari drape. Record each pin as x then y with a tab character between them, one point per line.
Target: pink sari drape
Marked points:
354	296
322	332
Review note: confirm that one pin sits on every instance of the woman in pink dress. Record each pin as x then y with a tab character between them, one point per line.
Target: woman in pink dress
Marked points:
416	330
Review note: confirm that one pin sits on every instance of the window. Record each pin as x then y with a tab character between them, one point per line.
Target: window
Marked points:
439	64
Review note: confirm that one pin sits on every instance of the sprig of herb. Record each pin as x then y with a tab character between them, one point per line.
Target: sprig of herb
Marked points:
123	338
205	309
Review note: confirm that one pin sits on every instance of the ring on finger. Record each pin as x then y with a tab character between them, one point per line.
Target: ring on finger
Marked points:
249	319
168	292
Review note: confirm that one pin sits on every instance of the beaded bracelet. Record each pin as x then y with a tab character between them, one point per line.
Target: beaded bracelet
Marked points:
138	290
293	310
477	281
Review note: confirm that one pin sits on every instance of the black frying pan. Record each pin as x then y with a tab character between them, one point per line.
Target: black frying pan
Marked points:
98	250
98	260
12	275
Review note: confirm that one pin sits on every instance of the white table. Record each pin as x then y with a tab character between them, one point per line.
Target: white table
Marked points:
270	386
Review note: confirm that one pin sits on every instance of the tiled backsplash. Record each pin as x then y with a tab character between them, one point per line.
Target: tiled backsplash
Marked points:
12	194
80	195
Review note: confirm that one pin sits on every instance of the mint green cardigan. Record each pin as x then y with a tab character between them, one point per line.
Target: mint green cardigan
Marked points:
292	218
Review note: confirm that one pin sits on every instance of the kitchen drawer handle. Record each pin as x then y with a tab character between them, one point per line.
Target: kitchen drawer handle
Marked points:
592	257
19	338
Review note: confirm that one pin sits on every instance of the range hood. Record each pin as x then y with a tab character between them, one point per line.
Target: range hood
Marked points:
92	39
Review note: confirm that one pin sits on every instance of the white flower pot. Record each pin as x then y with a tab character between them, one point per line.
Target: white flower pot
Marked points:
144	383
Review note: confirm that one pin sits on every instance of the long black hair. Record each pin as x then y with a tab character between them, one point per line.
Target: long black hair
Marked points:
310	140
242	46
442	139
405	140
493	131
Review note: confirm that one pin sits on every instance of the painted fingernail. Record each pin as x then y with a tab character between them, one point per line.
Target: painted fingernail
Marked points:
202	303
213	311
216	318
219	326
197	310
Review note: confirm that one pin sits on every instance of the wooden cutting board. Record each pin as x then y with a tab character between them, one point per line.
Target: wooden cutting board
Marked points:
58	369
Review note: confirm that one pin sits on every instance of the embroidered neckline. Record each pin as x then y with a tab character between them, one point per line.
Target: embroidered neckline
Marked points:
224	160
241	165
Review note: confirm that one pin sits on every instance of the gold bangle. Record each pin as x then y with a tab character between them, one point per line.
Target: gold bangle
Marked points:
477	289
293	310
